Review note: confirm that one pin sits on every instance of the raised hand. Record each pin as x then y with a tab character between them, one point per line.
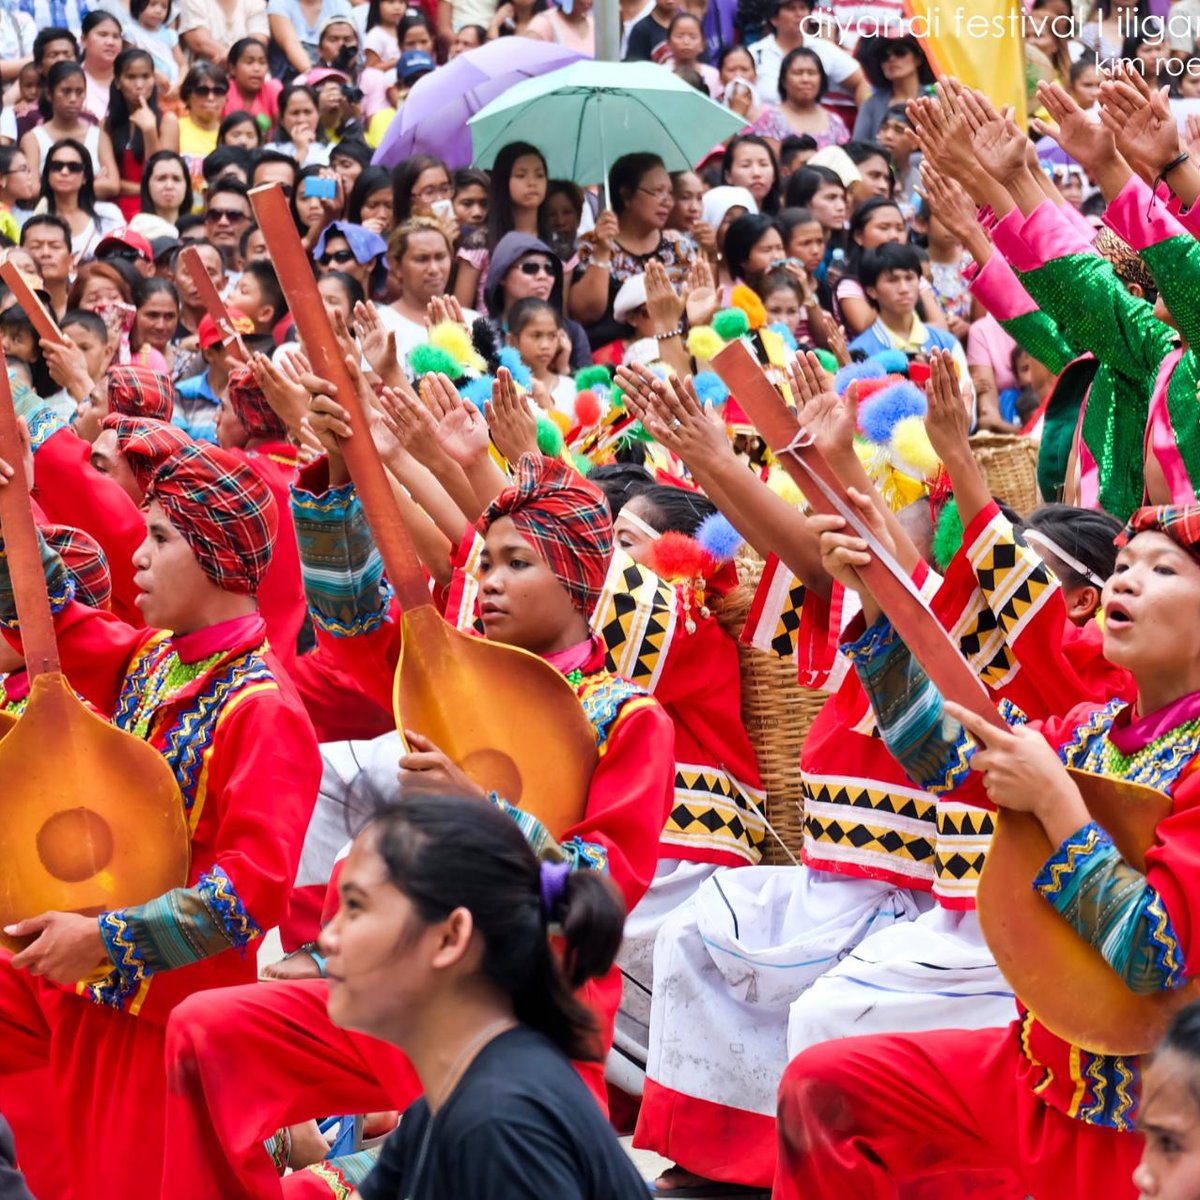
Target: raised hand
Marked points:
410	423
701	300
835	339
513	426
946	418
677	420
830	419
995	139
1140	120
287	397
377	341
461	430
664	304
1090	144
954	208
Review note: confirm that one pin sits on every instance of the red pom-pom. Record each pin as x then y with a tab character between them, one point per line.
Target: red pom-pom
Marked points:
918	373
868	387
677	556
587	408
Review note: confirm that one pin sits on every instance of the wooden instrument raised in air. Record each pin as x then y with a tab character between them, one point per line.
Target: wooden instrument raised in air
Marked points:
506	717
214	306
93	819
1064	982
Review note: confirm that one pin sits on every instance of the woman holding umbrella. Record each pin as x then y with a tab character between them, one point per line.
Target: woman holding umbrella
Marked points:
625	240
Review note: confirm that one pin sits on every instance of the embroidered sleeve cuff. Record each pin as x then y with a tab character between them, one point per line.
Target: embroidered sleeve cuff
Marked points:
998	289
59	584
43	425
583	856
877	640
1060	869
1139	218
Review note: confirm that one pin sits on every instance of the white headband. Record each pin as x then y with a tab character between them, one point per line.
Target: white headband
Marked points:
1036	538
638	524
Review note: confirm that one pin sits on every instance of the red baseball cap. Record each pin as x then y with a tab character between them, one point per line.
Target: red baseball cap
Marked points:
210	335
127	237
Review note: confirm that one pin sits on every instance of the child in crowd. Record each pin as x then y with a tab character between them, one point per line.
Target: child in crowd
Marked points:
257	294
535	328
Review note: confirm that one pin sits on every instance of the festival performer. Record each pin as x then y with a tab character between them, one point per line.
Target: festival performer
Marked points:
249	430
125	441
548	539
203	696
474	993
863	1116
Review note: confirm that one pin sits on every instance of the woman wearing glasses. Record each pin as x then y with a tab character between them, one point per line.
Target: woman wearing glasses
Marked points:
203	93
420	182
18	186
62	107
898	71
69	191
347	249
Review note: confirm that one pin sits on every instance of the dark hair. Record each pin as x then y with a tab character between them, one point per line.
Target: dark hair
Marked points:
480	32
731	48
675	509
122	131
47	218
240	47
790	219
897	112
187	221
185	205
795	143
374	16
770	202
445	852
231	122
573	192
805	52
7	154
404	179
466	177
306	173
804	183
690	75
15	319
891	256
92	322
686	16
97	17
773	7
740	239
56	33
152	286
858	222
268	284
348	284
352	147
626	175
273	156
411	19
285	98
234	186
869	53
860	152
373	179
1084	62
525	310
1183	1037
501	219
1087	534
201	71
87	190
620	482
779	281
55	76
243	241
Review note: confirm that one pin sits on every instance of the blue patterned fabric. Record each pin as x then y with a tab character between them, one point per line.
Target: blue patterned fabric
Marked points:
59	584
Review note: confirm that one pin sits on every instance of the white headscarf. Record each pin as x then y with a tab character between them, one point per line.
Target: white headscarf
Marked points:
719	200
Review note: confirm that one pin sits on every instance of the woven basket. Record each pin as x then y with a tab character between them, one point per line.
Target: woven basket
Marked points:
1009	464
777	713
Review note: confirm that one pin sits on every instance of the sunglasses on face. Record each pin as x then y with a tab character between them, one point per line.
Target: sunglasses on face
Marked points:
341	257
232	215
125	253
898	50
71	168
538	267
206	91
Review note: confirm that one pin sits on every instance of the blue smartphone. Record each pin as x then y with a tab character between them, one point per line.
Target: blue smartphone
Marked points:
318	188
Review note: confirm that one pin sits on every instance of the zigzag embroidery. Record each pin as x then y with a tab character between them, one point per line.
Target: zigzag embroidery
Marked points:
226	908
1081	739
1168	946
130	969
602	697
1126	1079
1070	852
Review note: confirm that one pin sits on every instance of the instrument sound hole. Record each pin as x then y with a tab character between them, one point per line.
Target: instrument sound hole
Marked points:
75	844
494	771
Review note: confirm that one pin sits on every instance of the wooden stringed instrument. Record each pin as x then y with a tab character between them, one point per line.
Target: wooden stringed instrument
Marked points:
93	818
47	328
214	306
503	715
1062	980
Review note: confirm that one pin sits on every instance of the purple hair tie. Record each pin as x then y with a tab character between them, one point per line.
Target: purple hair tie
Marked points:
553	882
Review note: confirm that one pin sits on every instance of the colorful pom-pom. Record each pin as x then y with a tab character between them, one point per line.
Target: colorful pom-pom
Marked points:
894	362
561	420
886	409
947	538
510	359
827	360
616	399
427	359
704	343
549	437
587	408
719	537
583	464
677	556
711	389
852	371
731	323
872	387
785	334
912	450
784	486
456	341
592	376
747	299
478	390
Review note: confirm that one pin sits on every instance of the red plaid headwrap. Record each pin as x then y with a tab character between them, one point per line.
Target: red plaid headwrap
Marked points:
85	563
566	518
224	512
251	408
1180	523
138	391
145	443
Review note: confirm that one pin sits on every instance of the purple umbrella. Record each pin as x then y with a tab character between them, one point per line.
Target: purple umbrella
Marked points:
433	120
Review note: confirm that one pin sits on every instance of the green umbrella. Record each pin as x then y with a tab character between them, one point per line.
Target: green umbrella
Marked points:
584	116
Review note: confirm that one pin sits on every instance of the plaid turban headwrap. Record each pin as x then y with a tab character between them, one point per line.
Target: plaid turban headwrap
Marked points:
137	391
251	408
85	563
146	444
566	518
224	512
1179	522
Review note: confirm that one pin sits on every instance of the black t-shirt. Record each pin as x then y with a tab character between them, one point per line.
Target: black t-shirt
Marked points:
644	38
520	1125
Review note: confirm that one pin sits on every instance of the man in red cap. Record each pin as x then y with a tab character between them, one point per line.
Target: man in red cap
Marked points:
210	699
200	396
129	245
548	540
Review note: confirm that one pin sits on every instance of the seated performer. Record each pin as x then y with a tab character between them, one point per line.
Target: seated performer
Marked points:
548	539
203	696
862	1116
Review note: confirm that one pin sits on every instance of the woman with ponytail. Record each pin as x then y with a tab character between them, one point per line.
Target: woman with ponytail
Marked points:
441	946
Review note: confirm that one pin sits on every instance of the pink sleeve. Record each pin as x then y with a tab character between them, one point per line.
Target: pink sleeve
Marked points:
1008	238
998	289
1080	222
1050	235
1188	218
1137	216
